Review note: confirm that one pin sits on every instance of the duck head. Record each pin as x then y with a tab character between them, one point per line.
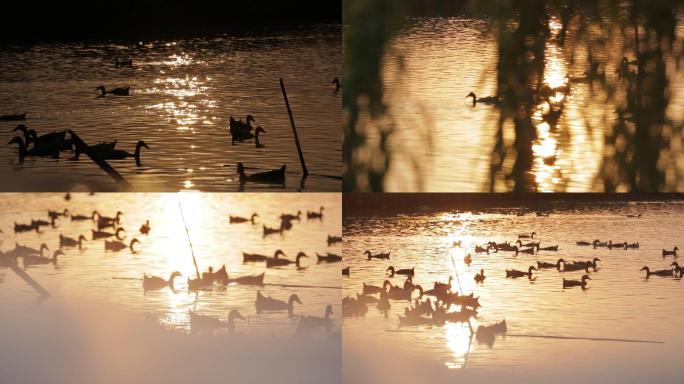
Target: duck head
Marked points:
259	130
648	271
118	232
293	299
101	88
278	252
531	268
22	128
390	270
132	244
675	264
420	290
585	278
174	274
328	311
368	253
386	284
56	254
299	256
234	314
250	118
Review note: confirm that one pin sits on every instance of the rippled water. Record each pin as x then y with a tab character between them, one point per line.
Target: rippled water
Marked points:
182	95
115	278
619	303
442	143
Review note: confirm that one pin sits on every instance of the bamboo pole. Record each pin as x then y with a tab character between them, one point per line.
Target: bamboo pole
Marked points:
294	129
83	147
25	276
192	252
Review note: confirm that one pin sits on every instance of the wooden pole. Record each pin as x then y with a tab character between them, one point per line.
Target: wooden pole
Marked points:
24	276
190	242
83	147
294	129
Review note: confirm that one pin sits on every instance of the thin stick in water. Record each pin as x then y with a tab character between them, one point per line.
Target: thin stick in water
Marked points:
192	251
294	129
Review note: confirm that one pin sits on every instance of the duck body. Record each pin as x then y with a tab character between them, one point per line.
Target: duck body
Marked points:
145	228
329	258
18	117
583	243
401	272
278	262
275	176
247	280
120	154
116	245
97	235
121	91
334	240
545	265
661	272
576	283
255	257
380	255
309	323
267	303
480	277
239	219
68	242
32	259
514	273
311	215
154	282
488	100
41	151
202	323
673	252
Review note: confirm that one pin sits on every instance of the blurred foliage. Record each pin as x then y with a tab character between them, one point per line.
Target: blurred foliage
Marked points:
641	148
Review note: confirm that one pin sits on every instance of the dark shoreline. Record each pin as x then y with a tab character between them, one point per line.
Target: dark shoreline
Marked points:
143	20
376	204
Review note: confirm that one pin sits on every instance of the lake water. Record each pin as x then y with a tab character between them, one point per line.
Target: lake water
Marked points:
182	95
619	302
115	278
441	142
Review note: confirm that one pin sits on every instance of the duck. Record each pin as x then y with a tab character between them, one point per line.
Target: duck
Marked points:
257	143
68	242
310	215
661	272
545	265
247	257
105	219
202	323
120	154
637	216
469	300
116	245
369	289
239	219
267	303
271	231
589	264
631	245
96	149
345	271
673	252
276	262
30	260
553	248
121	91
582	243
489	100
576	283
290	217
679	270
598	244
309	323
513	273
528	251
145	228
23	250
240	131
21	116
527	235
328	257
352	307
275	176
530	244
380	255
444	286
52	139
480	277
337	84
83	217
97	235
20	228
398	293
220	275
402	272
154	282
42	223
571	267
479	249
57	214
468	259
45	151
487	333
123	63
332	240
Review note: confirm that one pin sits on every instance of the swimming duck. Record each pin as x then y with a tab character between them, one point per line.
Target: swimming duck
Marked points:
479	249
545	265
677	269
275	176
487	333
553	248
315	215
46	151
239	219
116	245
21	116
632	245
353	308
120	154
51	139
267	303
576	283
246	280
598	244
671	253
289	217
527	235
454	298
369	289
398	293
467	259
588	264
583	243
98	149
513	273
403	272
328	257
154	282
84	217
337	83
145	228
247	257
57	214
637	216
528	251
220	275
42	223
271	231
123	63
30	260
20	228
23	250
104	235
257	143
309	323
202	323
480	277
377	256
114	220
276	262
334	240
116	91
345	271
444	286
240	131
571	267
661	272
489	100
67	242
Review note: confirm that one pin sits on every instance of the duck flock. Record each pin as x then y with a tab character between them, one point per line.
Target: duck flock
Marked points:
52	144
446	303
109	233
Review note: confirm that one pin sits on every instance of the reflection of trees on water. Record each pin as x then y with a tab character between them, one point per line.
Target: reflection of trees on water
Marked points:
636	154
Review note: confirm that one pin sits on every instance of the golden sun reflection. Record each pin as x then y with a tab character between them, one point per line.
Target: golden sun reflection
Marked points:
459	341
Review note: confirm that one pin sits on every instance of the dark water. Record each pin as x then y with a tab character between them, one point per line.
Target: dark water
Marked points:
182	95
